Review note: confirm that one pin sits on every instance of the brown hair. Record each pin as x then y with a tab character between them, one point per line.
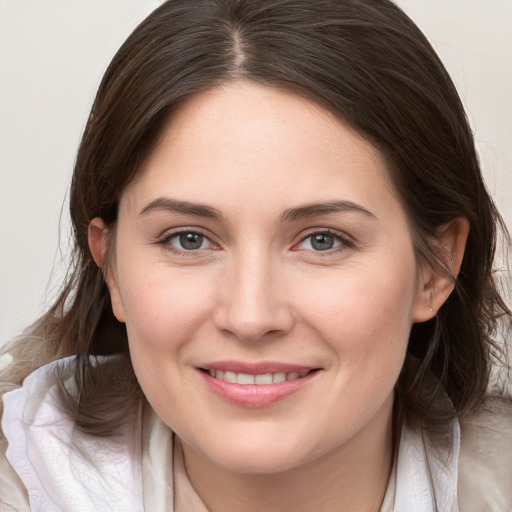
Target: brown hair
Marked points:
366	62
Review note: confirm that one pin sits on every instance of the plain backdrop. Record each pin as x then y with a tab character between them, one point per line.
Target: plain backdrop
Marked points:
52	56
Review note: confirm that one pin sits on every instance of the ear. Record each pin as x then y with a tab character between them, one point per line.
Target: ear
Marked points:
436	282
97	237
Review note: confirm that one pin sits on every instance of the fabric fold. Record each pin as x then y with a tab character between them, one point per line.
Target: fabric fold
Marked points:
62	468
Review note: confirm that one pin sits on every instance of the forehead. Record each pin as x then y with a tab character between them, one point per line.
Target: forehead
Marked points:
262	143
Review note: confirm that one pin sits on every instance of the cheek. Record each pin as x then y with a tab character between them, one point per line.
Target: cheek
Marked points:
164	313
163	308
364	313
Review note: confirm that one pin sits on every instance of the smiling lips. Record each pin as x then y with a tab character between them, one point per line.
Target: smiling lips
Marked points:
256	385
259	379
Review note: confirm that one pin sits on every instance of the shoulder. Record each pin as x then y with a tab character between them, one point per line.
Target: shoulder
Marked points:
13	495
488	433
67	468
485	459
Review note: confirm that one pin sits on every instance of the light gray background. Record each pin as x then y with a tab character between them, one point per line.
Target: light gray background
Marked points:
52	56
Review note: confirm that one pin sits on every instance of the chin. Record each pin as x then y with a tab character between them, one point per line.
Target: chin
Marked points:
262	463
263	455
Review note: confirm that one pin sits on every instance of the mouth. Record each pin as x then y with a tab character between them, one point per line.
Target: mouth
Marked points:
260	379
256	386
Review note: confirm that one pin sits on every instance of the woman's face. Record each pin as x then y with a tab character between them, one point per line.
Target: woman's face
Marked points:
265	272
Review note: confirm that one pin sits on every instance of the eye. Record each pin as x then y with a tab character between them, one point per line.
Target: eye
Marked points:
322	241
186	241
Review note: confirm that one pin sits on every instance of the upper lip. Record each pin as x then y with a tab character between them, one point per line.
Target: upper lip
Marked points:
256	368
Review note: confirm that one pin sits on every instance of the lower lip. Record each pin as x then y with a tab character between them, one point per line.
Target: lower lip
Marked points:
256	395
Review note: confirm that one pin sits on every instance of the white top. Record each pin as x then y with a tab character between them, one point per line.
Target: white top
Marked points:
142	469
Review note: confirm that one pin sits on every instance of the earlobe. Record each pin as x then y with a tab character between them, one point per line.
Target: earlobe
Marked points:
97	237
437	281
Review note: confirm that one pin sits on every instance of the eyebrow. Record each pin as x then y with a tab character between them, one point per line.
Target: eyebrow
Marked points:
312	210
292	214
185	207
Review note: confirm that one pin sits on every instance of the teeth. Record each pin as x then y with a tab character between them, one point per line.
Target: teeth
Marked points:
264	378
230	377
278	377
244	378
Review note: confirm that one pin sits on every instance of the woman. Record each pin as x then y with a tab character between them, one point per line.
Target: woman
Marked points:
282	297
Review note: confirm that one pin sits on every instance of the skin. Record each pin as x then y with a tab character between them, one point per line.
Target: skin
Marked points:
258	290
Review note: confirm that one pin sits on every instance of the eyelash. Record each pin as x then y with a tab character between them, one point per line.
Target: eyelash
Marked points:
165	242
344	241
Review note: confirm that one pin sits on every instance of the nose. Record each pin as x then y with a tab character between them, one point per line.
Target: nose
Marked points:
253	302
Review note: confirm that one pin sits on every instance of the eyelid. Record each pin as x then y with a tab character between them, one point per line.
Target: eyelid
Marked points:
169	234
163	239
346	240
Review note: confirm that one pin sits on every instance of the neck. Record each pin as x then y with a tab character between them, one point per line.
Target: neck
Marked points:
352	477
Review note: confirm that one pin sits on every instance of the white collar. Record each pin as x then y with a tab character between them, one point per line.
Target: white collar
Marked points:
427	471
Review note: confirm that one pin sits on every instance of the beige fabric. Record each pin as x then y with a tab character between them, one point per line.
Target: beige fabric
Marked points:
157	463
485	460
13	496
